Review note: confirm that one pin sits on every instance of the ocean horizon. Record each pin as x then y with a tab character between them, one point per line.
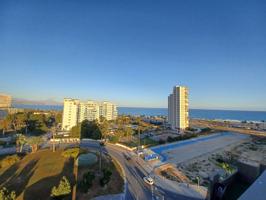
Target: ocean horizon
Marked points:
193	113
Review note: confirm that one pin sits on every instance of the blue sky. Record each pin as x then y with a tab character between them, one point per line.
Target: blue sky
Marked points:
134	52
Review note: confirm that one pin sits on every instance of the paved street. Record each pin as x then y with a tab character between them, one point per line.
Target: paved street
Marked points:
136	188
135	169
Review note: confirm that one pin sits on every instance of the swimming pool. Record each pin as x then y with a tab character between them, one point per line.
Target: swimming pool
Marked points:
160	149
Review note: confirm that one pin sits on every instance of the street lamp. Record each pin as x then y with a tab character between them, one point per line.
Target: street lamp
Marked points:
198	179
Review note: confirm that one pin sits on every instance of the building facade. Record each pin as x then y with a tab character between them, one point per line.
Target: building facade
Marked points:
75	112
178	116
5	101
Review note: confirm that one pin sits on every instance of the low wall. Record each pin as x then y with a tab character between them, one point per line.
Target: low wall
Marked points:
125	147
248	171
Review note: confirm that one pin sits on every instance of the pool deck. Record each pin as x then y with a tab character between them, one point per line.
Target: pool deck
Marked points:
185	150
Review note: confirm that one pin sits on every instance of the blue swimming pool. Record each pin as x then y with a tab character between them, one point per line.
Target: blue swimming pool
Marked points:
161	148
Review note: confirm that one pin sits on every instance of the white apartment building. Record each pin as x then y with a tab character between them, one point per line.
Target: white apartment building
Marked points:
108	110
75	112
178	116
5	101
88	110
70	113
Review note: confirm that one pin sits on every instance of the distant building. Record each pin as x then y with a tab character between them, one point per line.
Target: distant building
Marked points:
5	101
178	108
75	112
108	110
5	105
88	111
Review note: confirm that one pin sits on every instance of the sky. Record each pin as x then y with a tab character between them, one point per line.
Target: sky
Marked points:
134	52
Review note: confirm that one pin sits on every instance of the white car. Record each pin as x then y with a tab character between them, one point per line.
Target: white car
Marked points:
148	180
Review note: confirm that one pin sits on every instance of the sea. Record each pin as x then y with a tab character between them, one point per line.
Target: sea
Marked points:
194	113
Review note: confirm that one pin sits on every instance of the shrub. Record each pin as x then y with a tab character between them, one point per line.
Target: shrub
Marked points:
71	153
170	139
161	141
6	195
205	130
9	160
106	177
2	143
86	182
190	129
228	169
114	139
63	188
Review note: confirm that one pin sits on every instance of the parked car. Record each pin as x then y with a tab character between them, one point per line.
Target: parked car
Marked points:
127	157
148	180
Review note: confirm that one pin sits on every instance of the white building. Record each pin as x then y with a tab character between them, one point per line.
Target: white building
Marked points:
70	113
108	110
178	108
88	110
75	112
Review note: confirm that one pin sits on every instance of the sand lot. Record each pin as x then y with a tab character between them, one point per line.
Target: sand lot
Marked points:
183	151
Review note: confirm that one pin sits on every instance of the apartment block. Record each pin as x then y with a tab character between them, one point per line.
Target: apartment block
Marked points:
178	116
5	101
76	111
70	113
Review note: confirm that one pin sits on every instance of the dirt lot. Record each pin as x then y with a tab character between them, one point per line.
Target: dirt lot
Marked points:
207	165
224	126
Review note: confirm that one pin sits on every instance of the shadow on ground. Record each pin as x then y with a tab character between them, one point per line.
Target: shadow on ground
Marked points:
13	180
41	190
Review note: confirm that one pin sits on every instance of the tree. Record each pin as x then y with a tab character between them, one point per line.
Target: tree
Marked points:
63	188
4	126
75	131
6	195
106	177
104	127
20	141
90	129
34	142
86	182
128	132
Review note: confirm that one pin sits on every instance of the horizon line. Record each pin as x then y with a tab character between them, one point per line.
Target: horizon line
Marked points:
223	109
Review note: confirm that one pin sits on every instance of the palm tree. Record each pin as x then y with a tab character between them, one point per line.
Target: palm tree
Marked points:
104	127
20	141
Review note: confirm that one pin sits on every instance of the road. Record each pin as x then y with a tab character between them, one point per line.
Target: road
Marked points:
135	169
135	187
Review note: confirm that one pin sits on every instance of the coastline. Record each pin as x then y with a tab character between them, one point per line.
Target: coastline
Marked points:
203	114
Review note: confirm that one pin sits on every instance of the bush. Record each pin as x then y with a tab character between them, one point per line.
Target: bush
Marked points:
190	129
86	182
2	143
9	160
71	153
205	130
106	177
6	195
226	167
114	139
170	139
63	188
161	141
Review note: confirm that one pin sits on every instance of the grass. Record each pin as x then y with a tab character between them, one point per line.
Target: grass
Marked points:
34	176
